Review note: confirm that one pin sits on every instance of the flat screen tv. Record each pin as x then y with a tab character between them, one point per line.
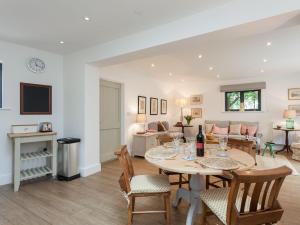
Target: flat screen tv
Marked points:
35	99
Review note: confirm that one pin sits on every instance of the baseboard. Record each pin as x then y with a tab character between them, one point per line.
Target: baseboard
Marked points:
89	170
5	179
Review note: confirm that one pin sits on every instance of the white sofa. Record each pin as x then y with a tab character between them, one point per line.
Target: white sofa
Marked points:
296	148
226	124
175	133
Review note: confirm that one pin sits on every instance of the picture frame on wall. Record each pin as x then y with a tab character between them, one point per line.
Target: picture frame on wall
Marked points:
142	103
196	112
294	94
153	106
295	107
163	106
196	99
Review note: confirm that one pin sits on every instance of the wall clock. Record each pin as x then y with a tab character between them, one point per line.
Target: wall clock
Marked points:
36	65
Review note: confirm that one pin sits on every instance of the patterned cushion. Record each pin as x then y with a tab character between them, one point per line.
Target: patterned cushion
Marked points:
216	199
149	184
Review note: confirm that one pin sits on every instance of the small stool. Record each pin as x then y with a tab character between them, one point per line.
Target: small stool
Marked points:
269	145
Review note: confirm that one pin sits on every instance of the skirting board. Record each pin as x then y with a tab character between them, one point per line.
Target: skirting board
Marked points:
5	179
89	170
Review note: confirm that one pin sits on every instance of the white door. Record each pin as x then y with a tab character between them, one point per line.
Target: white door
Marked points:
110	119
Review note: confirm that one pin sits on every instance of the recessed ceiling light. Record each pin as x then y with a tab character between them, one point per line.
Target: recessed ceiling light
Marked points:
152	65
262	71
61	42
265	60
269	43
200	56
218	75
170	74
211	68
87	18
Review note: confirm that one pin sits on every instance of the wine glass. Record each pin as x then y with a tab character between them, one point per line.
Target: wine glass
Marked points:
176	144
223	140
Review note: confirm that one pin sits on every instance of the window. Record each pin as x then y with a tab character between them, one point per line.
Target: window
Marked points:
0	85
243	100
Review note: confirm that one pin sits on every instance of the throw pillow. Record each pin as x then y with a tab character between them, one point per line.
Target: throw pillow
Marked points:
235	129
251	130
220	130
208	128
160	127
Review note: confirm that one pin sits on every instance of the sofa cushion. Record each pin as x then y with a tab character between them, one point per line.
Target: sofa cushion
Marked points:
152	126
252	130
235	129
220	130
160	126
166	124
208	127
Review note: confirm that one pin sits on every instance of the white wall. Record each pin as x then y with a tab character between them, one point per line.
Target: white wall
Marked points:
136	84
274	97
14	59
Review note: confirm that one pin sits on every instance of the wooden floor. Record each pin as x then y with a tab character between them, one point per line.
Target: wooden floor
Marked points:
97	200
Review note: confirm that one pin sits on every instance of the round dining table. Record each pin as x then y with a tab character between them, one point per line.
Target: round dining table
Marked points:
197	172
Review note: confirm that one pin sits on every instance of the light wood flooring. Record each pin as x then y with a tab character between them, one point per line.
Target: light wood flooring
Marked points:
96	200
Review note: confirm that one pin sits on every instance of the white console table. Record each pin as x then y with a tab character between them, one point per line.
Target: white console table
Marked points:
143	142
51	154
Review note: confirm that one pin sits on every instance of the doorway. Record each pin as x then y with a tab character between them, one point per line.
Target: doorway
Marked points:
110	119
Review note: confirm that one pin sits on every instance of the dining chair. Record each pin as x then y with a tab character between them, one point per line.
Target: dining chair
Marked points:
134	186
162	139
250	200
225	179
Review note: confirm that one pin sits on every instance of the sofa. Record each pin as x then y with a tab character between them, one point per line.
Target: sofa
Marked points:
295	147
240	129
163	127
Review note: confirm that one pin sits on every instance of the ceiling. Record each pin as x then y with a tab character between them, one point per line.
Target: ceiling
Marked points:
234	53
43	24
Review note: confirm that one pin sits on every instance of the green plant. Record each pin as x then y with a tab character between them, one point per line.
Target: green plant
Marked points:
188	119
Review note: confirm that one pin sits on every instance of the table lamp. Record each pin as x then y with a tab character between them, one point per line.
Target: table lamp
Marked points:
141	119
289	115
181	102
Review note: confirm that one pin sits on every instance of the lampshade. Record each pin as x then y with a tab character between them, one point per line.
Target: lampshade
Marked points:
289	114
141	118
181	102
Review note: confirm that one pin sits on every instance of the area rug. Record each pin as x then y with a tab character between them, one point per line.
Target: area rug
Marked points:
268	162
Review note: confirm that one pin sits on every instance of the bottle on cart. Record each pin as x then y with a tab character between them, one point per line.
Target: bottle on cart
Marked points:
200	142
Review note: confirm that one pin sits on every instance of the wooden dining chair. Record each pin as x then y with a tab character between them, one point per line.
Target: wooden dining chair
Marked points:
162	139
251	199
134	186
243	145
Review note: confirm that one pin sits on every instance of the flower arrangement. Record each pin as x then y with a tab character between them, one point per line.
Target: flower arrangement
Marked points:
188	119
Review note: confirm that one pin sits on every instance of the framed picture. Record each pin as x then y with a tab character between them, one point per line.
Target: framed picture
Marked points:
153	106
196	112
142	102
295	107
294	94
163	106
196	99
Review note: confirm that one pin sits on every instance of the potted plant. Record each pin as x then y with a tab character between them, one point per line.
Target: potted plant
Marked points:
188	119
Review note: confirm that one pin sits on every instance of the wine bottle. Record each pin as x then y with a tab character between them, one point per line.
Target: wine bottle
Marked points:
200	142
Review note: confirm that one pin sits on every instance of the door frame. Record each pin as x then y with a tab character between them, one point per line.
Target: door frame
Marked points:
122	107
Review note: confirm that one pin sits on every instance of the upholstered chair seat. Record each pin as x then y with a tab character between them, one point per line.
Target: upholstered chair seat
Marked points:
150	184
